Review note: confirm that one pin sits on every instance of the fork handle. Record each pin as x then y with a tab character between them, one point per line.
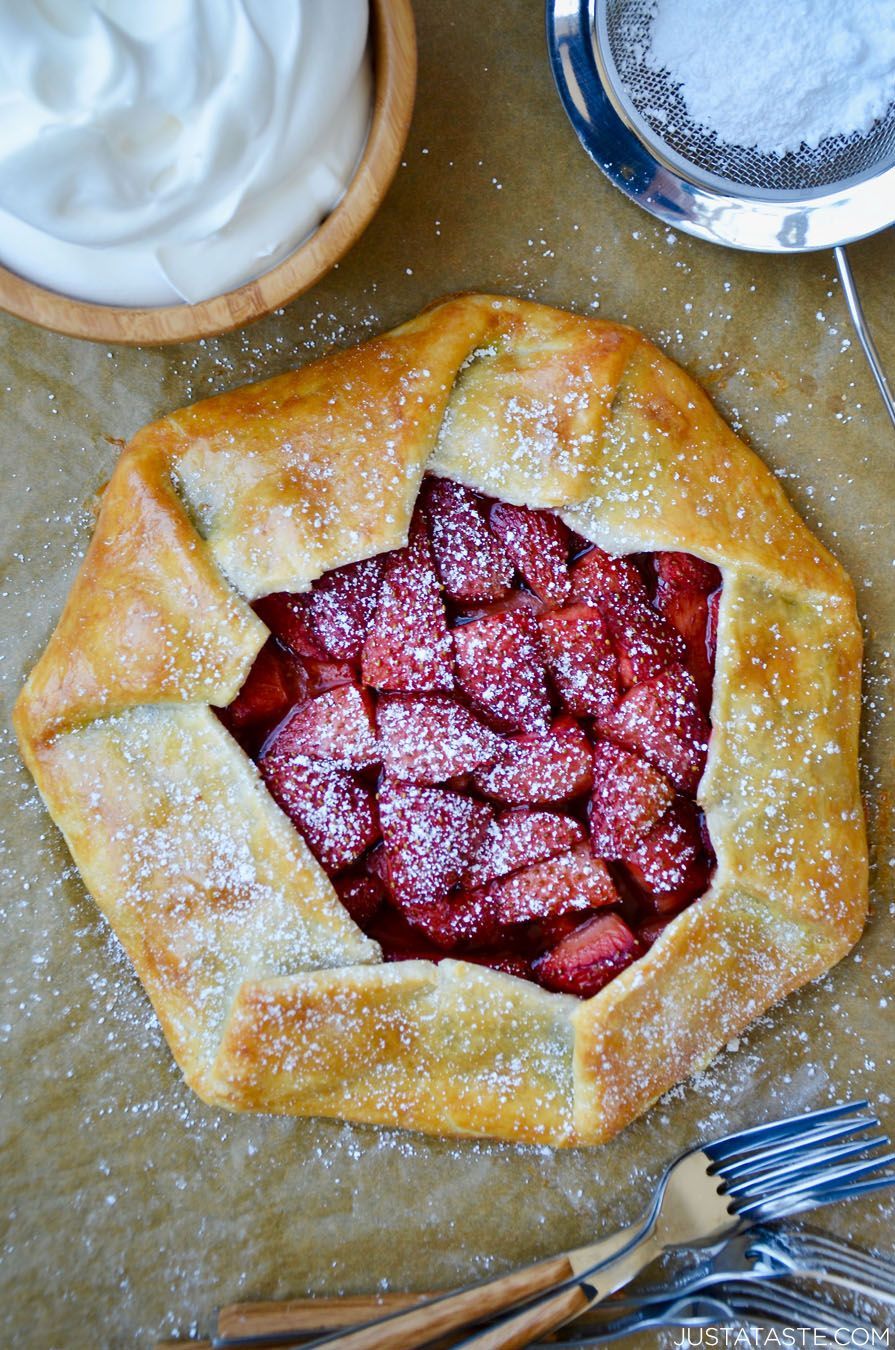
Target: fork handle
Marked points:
453	1312
538	1319
590	1283
429	1321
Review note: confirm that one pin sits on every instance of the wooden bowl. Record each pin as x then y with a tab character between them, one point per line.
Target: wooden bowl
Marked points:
394	57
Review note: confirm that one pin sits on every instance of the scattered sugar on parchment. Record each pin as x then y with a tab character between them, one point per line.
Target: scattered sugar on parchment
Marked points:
774	76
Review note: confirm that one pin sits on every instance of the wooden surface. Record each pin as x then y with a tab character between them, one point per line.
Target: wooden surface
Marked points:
394	52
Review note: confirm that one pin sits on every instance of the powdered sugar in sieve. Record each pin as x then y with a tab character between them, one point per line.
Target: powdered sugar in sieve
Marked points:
776	97
757	125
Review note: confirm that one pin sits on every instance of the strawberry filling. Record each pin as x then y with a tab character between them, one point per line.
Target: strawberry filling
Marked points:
492	739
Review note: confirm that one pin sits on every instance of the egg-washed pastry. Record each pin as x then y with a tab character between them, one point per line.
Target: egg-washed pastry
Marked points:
459	733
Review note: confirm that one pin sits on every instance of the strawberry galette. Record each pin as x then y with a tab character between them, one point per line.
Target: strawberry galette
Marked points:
458	733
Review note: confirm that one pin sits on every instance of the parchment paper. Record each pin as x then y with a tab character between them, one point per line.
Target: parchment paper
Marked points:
134	1211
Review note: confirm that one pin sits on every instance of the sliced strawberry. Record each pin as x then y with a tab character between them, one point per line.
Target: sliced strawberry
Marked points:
661	720
341	607
578	544
589	958
597	577
572	881
461	919
515	600
408	646
628	797
470	560
427	738
683	571
648	933
332	807
274	683
581	659
644	641
684	584
336	726
323	675
361	669
404	941
288	618
540	936
500	665
430	836
511	963
362	896
376	865
669	863
538	543
688	612
541	768
519	839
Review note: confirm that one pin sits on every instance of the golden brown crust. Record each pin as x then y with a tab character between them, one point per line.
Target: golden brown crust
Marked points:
201	875
269	995
781	787
453	1048
149	617
715	968
322	466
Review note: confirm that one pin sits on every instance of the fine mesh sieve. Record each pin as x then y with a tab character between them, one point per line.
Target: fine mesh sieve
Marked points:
655	105
633	121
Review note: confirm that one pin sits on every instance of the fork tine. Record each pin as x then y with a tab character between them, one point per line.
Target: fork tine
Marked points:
828	1195
824	1134
722	1148
838	1253
829	1243
784	1299
797	1254
783	1302
864	1274
809	1162
824	1181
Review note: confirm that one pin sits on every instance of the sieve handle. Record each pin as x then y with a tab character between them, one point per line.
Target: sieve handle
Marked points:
868	346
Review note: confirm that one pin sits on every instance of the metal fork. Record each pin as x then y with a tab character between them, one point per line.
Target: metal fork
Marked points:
782	1304
709	1194
691	1310
690	1207
821	1257
771	1253
730	1304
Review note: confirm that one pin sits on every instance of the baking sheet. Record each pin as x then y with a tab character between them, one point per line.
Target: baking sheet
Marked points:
131	1209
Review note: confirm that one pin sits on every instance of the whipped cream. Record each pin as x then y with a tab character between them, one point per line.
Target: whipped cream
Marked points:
159	151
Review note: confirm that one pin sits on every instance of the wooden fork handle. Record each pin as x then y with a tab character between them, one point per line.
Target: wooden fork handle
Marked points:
591	1281
418	1326
532	1324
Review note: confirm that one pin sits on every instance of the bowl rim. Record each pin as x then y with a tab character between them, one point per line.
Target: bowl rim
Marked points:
393	38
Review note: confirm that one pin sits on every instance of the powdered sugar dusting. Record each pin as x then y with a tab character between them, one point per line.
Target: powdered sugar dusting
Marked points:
806	70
